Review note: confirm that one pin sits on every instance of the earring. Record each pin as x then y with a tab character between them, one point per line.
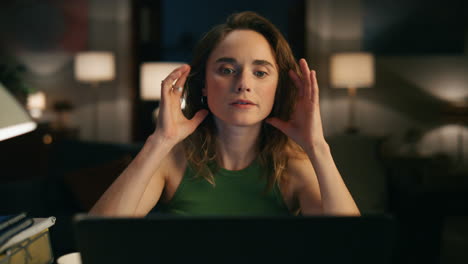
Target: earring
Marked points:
203	100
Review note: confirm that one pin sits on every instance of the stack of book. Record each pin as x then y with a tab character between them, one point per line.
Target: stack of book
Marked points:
25	240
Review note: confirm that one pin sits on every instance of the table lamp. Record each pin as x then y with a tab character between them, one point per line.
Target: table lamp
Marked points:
14	120
94	67
151	76
36	104
352	70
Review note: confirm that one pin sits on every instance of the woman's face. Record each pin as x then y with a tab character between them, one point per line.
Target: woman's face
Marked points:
241	79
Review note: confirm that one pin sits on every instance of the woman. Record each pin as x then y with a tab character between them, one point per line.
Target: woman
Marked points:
249	142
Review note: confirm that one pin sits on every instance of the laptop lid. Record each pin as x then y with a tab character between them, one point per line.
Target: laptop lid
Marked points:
173	239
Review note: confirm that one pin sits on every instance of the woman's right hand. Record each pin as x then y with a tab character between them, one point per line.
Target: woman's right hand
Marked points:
172	126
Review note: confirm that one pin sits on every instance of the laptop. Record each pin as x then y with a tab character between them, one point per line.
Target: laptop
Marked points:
176	239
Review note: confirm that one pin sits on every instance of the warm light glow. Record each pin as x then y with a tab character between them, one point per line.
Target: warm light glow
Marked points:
47	139
443	77
451	88
151	76
44	63
94	66
450	140
352	70
37	100
36	104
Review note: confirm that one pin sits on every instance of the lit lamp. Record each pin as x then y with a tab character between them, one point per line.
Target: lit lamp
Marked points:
14	120
94	67
36	104
151	76
352	70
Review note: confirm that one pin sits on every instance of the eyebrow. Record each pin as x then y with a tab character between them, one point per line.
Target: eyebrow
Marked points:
255	62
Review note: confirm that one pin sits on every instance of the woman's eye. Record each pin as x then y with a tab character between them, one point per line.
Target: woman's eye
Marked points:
227	71
260	74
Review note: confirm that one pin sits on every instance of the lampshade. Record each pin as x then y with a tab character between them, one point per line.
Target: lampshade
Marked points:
37	100
36	104
151	76
14	120
352	70
94	66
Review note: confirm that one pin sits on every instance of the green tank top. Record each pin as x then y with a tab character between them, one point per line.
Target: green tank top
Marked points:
236	193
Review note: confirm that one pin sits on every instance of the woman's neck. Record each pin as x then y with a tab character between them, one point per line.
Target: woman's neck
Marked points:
236	145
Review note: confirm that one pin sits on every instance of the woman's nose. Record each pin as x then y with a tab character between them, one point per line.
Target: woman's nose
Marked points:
244	83
242	88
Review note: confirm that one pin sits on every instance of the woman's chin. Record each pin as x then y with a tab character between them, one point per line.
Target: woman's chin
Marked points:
239	122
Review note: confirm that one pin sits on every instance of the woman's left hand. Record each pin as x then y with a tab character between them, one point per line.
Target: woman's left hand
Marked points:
305	125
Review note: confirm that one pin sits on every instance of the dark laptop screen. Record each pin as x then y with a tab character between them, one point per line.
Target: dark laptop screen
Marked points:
168	239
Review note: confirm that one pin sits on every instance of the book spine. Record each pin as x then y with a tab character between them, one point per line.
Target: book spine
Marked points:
12	221
13	230
39	225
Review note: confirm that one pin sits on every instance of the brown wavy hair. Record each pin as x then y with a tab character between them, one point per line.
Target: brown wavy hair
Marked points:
200	146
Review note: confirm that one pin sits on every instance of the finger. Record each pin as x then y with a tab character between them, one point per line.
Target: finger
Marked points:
178	87
278	123
166	84
315	89
198	118
306	78
297	82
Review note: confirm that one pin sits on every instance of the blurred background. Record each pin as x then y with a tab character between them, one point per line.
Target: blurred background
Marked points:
401	142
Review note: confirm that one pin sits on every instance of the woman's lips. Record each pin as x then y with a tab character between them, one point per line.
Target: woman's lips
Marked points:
243	104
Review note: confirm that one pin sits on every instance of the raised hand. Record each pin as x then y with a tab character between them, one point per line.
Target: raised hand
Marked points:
305	125
172	125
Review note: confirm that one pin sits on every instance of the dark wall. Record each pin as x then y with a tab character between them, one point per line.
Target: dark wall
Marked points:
422	27
185	22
